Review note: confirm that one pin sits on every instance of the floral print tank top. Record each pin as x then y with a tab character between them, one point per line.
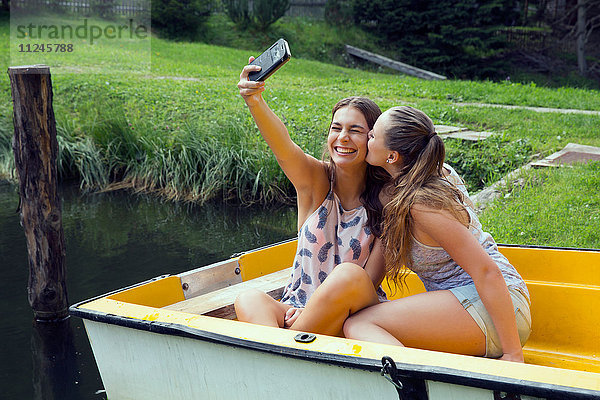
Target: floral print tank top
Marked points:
328	237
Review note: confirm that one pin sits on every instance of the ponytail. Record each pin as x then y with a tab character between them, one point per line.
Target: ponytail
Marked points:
412	134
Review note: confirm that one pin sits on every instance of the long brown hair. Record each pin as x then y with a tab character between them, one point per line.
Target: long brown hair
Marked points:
375	176
412	134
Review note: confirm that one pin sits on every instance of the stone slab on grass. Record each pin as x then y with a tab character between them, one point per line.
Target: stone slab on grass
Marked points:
470	135
570	154
446	131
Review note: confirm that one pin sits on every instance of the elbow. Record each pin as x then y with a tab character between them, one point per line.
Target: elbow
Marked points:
491	273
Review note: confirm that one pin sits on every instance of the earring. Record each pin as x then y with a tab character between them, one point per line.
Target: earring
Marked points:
388	161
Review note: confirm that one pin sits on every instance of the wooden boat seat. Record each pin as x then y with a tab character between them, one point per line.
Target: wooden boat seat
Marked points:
220	302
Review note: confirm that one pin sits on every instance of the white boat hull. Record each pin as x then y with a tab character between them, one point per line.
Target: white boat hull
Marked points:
136	364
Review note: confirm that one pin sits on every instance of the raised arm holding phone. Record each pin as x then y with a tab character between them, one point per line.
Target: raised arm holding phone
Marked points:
334	233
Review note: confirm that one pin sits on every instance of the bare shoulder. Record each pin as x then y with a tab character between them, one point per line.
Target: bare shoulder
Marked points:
423	214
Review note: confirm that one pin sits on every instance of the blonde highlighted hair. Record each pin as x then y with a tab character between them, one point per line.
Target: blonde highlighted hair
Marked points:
412	134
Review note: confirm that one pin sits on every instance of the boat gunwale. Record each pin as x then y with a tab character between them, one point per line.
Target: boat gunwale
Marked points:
238	255
535	246
415	371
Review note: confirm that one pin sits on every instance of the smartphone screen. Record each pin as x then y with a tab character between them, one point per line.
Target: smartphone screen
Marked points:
271	60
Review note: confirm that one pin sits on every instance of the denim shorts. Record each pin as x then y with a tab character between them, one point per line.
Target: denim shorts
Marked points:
470	300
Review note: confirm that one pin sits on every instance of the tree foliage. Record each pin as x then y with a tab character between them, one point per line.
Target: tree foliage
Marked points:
180	19
338	12
239	12
261	15
454	37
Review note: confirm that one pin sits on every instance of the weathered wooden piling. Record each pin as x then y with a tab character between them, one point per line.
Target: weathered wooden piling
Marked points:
54	359
36	148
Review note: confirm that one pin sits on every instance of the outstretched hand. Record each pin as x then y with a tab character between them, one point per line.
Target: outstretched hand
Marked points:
250	90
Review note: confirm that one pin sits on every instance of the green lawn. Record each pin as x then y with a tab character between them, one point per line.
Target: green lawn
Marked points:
183	131
559	207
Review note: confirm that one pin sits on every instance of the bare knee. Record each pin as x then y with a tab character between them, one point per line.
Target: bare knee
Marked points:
350	285
354	326
258	307
247	303
349	276
350	279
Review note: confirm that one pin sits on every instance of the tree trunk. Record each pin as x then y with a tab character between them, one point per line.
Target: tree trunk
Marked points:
581	34
35	148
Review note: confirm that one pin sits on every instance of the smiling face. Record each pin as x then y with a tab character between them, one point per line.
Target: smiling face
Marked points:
348	136
378	152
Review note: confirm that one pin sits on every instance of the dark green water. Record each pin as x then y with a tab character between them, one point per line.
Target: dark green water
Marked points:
112	240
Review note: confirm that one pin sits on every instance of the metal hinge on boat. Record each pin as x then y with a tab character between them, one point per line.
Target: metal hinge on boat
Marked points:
407	388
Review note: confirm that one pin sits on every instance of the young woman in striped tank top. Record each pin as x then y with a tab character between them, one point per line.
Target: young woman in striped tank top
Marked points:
334	213
476	303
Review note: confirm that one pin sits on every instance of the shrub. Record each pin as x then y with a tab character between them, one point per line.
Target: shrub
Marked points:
338	12
264	12
180	19
238	12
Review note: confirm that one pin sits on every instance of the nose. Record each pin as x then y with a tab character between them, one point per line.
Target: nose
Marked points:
344	134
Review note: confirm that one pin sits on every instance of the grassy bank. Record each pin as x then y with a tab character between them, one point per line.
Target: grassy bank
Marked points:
551	206
182	131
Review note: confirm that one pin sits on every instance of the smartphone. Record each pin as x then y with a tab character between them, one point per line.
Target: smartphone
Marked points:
271	60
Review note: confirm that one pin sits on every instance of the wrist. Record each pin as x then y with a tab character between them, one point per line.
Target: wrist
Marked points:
254	101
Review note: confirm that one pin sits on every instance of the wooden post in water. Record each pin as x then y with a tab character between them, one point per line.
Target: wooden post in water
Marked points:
35	148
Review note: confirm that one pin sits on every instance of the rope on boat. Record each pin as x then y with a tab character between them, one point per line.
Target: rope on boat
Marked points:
407	388
390	372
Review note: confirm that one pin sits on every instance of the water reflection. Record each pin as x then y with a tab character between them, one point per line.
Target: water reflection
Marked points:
54	361
112	240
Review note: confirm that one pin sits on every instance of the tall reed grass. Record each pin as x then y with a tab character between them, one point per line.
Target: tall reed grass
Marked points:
227	163
7	160
225	159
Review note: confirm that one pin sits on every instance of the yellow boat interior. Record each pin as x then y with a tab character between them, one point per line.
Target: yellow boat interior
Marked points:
564	285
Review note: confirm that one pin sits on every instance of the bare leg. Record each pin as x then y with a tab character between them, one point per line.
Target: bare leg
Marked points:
345	291
259	308
433	321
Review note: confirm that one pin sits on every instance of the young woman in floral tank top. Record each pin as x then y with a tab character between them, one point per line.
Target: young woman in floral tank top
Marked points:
336	252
